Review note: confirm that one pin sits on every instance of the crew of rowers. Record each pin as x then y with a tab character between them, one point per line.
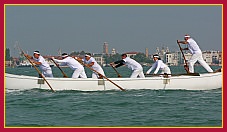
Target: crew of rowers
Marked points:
76	64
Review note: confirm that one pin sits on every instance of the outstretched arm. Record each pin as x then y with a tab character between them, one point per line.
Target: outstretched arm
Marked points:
33	61
182	42
30	57
157	67
119	63
148	71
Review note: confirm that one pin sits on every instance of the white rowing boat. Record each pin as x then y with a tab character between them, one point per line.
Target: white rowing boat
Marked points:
205	81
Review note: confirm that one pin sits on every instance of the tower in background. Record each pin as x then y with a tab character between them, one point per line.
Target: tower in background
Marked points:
105	48
146	52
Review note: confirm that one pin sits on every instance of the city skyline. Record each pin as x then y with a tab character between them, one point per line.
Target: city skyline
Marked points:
111	51
124	28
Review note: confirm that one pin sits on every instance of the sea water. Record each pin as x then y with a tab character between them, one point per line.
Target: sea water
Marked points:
133	108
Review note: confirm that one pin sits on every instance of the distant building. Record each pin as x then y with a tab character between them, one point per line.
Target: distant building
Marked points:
99	58
220	58
207	56
113	51
105	48
162	52
131	54
212	57
146	52
172	58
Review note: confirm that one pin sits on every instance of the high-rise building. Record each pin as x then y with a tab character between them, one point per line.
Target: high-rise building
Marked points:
105	48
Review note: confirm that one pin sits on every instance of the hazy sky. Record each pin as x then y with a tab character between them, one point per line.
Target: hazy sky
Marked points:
125	28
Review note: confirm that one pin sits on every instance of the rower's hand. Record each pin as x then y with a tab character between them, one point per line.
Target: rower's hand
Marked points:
26	55
87	65
100	76
112	64
52	58
33	62
178	41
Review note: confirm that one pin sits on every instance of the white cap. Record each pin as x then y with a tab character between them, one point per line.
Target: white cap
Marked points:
87	55
36	52
64	55
156	56
187	36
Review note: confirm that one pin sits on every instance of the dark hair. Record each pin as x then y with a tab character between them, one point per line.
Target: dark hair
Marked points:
156	56
36	52
124	55
64	54
88	54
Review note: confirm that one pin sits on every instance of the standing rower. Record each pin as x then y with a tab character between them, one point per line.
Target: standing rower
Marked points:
193	47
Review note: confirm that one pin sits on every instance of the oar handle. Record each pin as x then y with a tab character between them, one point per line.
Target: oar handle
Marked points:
64	75
116	71
186	65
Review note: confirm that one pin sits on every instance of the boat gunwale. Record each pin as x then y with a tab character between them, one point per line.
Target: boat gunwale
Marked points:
115	79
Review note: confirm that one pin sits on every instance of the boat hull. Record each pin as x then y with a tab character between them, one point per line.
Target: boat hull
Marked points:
206	81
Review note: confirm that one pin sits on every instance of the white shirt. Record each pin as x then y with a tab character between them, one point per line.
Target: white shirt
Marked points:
44	65
71	62
193	46
132	64
158	65
96	66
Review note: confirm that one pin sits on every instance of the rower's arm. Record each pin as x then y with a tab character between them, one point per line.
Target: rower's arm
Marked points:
37	63
27	55
119	63
182	42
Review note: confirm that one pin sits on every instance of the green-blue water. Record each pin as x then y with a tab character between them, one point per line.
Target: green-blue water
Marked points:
134	108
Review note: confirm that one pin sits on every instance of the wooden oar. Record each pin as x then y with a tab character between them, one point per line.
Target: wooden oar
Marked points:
218	70
36	69
116	71
101	75
64	75
186	74
186	65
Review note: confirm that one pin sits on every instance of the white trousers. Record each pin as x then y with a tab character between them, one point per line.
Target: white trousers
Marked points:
138	72
47	73
79	73
165	70
198	57
95	75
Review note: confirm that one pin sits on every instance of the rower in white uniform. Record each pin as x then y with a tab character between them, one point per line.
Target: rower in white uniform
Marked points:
159	65
132	64
73	64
